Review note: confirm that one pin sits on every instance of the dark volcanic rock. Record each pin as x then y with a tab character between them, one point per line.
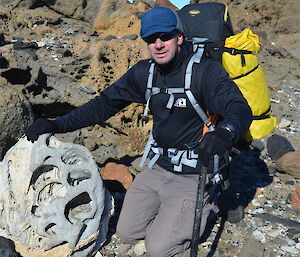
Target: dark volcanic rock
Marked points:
15	115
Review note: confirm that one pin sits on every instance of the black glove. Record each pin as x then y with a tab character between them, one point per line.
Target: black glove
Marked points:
39	127
215	142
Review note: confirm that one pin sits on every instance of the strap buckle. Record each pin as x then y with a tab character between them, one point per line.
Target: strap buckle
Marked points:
164	90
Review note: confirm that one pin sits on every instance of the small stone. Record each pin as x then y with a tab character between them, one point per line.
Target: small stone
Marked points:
41	44
131	37
139	248
284	123
255	211
123	248
117	172
110	37
289	163
298	246
255	203
295	199
64	52
289	249
274	233
259	236
290	241
98	254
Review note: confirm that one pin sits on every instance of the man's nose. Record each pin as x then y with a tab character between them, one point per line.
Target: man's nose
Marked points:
159	43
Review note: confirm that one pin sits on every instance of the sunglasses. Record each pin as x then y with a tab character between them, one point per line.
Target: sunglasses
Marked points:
162	36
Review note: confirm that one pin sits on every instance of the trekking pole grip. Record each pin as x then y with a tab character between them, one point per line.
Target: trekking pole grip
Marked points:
199	208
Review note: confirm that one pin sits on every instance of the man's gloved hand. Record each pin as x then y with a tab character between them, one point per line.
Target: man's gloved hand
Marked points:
215	142
39	127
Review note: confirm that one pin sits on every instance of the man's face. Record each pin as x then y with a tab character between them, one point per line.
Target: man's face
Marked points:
163	47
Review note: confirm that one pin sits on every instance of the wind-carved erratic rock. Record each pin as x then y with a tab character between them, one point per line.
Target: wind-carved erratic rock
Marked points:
15	116
52	193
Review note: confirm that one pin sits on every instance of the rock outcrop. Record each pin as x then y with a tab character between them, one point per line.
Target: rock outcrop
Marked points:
15	116
51	193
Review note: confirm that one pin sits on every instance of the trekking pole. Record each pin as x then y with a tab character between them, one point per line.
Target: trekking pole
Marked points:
199	207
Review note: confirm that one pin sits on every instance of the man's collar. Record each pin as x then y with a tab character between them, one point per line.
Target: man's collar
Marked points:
175	64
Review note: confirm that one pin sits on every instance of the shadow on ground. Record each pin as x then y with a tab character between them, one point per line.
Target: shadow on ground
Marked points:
248	172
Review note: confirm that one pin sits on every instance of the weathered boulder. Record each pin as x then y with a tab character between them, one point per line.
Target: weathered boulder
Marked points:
15	116
278	146
7	248
84	10
295	199
51	193
117	172
112	10
165	3
43	81
290	164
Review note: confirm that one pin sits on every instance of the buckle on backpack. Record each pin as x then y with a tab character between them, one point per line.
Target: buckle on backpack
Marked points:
191	155
164	90
172	152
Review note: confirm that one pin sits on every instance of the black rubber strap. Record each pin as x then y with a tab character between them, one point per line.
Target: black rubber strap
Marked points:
263	116
243	75
234	51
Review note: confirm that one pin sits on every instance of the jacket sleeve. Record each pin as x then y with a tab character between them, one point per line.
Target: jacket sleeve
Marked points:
222	97
128	89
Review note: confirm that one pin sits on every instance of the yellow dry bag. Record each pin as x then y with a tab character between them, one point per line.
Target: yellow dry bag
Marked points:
243	68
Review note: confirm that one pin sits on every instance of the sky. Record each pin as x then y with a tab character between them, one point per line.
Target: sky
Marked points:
180	3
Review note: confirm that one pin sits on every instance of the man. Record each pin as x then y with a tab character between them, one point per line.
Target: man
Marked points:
159	206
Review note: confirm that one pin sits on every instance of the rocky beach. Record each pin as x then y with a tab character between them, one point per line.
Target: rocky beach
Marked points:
57	55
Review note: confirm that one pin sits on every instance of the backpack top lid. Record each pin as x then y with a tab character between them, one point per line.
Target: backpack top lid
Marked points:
206	20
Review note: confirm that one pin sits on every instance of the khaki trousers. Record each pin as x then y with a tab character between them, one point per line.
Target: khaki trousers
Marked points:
159	207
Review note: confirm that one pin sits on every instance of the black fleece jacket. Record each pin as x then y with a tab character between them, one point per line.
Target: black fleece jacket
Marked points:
175	128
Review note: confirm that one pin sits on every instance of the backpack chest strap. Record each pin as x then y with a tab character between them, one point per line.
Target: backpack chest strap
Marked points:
169	91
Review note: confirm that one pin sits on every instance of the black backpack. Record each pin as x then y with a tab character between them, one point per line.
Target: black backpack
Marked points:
206	23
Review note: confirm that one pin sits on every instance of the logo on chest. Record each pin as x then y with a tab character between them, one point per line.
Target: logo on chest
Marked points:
180	102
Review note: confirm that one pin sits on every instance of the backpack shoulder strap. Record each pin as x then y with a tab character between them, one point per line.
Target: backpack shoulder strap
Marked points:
149	87
196	58
150	81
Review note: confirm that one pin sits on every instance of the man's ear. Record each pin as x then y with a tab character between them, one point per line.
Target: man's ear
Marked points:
180	39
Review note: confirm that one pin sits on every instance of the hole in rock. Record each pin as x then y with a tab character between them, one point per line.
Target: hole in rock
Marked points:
73	156
17	76
33	209
126	120
103	59
36	4
52	110
84	4
50	226
75	177
51	191
44	173
3	63
78	205
85	67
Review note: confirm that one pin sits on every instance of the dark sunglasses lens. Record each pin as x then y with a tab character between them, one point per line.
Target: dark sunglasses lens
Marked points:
163	37
150	39
167	36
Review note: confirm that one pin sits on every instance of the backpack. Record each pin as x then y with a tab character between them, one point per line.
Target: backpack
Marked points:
207	26
243	68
